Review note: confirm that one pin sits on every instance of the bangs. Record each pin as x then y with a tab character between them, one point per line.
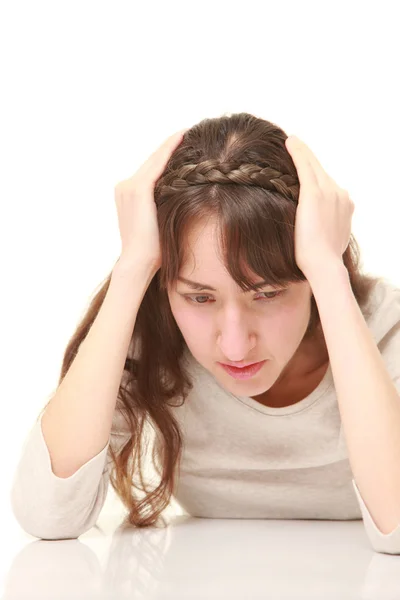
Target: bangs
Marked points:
254	230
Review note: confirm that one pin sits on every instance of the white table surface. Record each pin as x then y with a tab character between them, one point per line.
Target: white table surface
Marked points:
200	558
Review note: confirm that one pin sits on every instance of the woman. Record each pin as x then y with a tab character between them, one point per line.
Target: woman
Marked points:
220	287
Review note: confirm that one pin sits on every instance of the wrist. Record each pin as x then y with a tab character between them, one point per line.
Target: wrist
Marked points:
128	263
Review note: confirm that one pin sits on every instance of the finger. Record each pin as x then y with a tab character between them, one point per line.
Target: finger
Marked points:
308	166
156	163
166	148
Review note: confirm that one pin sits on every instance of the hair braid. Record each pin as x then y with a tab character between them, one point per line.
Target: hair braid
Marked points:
225	173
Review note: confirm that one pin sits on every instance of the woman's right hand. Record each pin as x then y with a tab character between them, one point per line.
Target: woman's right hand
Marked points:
137	211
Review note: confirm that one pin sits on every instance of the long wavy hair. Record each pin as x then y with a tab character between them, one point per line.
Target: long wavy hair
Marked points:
236	169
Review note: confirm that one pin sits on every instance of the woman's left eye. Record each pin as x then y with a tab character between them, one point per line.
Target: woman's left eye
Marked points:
271	296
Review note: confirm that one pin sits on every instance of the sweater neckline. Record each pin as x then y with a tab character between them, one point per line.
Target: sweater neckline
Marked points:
325	383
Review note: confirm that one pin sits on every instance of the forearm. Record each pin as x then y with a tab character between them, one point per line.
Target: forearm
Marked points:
368	400
77	422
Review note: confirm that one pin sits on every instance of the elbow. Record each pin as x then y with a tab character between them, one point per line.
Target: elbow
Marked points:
51	523
55	529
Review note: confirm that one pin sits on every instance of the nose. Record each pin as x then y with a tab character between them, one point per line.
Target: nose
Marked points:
236	339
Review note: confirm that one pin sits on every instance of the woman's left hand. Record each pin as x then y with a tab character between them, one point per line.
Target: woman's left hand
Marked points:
323	216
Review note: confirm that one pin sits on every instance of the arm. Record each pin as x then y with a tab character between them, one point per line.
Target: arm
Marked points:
368	400
60	485
77	422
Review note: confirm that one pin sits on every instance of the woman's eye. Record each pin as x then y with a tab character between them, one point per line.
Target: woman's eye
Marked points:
269	296
194	299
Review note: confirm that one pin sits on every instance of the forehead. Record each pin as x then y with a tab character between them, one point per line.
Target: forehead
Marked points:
203	233
203	249
204	262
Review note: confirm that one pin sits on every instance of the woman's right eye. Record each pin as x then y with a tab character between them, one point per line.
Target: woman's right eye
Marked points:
190	299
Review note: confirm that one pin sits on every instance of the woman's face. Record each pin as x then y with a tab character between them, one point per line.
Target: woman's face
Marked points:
228	325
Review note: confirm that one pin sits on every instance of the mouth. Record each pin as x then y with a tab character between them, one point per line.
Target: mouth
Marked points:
243	372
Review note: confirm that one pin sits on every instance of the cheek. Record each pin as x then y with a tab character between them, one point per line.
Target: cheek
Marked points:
190	322
283	327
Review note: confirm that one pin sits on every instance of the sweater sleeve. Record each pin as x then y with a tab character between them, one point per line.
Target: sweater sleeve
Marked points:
388	543
50	507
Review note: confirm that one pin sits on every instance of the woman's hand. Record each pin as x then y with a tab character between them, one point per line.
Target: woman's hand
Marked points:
324	213
137	211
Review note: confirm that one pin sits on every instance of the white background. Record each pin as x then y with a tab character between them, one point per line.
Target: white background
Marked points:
90	89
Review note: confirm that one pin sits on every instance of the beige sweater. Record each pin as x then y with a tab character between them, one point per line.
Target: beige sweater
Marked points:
240	459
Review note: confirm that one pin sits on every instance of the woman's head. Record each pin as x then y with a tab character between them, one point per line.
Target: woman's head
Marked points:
226	205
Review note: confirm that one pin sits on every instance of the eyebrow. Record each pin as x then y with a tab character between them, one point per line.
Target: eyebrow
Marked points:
204	286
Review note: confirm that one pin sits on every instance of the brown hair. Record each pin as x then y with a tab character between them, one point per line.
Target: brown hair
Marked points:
235	168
